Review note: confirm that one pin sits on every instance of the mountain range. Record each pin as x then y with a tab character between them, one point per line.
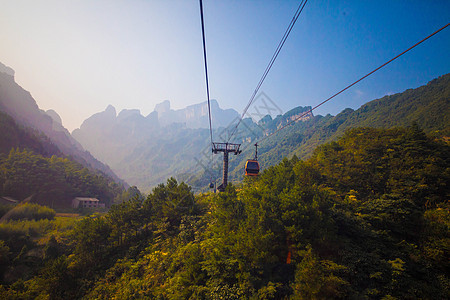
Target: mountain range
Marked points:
145	151
111	136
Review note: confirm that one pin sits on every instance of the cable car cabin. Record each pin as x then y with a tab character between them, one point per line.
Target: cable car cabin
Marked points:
251	167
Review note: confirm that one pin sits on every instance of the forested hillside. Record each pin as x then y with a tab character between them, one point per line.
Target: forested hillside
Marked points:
33	168
365	217
428	106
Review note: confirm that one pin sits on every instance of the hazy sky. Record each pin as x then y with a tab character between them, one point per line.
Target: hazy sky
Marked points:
76	57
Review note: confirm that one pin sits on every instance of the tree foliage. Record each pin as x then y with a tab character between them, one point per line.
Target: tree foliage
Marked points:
366	217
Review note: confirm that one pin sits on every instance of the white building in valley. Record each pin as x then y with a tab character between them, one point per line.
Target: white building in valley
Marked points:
82	202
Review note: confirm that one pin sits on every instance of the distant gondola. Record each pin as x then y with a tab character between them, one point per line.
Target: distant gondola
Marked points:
252	165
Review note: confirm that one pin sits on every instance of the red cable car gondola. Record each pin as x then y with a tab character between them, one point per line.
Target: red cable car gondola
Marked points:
252	165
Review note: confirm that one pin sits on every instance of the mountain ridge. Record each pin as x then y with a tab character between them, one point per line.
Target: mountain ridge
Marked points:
192	116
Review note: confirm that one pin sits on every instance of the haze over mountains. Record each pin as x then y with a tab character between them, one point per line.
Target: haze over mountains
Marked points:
130	127
141	147
20	105
146	150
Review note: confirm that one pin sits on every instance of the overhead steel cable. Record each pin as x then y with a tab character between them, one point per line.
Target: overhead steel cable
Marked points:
271	62
206	72
349	86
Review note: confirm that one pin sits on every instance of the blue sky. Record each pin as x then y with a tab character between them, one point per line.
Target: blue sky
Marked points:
79	56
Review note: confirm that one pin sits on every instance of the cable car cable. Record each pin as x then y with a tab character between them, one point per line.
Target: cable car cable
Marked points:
349	86
206	70
275	55
271	62
206	77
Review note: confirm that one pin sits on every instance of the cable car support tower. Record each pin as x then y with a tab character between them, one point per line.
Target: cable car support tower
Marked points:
225	148
216	147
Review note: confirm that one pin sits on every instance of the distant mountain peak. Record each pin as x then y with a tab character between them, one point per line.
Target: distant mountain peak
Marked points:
7	70
162	107
54	115
111	110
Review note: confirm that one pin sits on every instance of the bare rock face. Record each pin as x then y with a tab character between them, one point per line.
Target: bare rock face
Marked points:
195	116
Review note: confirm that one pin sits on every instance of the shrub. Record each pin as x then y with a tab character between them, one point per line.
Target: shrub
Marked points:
30	211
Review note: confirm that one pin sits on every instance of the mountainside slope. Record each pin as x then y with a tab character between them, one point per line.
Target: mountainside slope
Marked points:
20	105
32	168
15	136
428	106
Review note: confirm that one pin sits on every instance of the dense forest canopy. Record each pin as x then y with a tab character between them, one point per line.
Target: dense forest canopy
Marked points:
366	217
